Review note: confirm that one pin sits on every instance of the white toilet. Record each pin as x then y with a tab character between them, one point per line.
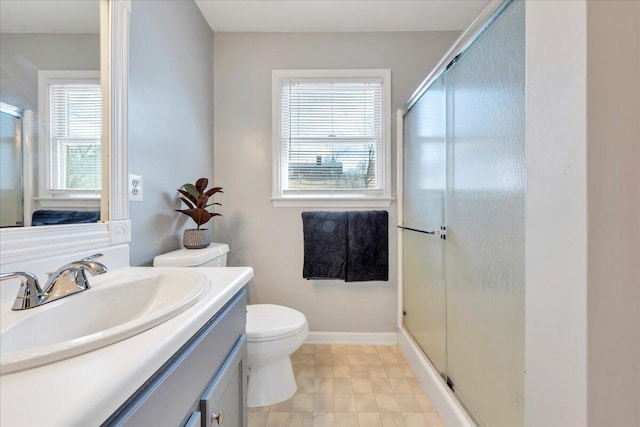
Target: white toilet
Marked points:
273	332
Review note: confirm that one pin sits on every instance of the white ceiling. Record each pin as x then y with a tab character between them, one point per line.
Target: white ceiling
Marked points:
49	16
339	15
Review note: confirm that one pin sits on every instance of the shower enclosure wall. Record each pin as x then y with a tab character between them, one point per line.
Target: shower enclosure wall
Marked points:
464	172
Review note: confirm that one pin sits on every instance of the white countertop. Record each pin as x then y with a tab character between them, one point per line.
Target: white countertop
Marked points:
85	390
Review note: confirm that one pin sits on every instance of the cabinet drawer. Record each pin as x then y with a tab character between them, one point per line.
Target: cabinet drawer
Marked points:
174	391
225	398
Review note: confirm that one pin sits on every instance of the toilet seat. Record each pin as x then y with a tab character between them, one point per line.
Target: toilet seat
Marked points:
268	322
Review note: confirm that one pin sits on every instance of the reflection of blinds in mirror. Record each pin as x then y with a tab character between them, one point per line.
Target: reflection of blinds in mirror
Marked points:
76	128
331	132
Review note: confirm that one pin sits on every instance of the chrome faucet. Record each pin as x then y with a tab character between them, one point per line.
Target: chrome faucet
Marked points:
67	280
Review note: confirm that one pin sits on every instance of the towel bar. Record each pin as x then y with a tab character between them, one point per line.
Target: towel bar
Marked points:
442	232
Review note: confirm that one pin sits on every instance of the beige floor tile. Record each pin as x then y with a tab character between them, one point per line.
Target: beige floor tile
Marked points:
408	373
400	385
361	385
324	371
341	371
372	359
303	402
424	402
323	403
342	385
392	419
299	419
407	402
259	409
306	371
369	419
278	419
394	371
324	359
323	348
378	371
338	348
340	358
415	385
434	419
381	385
415	420
369	349
324	420
302	359
257	419
305	385
388	359
344	402
384	348
359	371
323	385
395	349
354	349
355	358
347	420
366	402
308	348
284	406
387	402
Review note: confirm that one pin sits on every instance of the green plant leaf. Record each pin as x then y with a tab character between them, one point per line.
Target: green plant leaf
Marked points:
191	189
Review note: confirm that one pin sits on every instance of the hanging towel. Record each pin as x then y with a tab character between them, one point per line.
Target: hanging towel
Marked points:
349	246
325	245
367	246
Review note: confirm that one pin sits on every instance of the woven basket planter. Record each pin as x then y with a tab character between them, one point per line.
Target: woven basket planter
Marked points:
196	239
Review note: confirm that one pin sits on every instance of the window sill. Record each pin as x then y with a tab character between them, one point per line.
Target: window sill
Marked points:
331	202
69	202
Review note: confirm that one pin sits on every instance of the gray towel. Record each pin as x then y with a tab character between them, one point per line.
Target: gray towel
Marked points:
325	245
349	246
367	246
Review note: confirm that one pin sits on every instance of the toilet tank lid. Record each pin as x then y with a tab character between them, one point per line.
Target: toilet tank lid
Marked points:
190	257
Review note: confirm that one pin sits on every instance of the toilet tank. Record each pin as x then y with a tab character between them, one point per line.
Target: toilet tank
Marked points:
213	256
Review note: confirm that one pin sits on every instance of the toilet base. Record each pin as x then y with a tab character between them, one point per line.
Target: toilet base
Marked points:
270	383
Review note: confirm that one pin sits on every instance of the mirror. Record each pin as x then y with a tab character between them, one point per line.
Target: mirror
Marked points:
51	112
20	244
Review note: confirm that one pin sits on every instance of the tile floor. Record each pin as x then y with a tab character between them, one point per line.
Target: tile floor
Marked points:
350	385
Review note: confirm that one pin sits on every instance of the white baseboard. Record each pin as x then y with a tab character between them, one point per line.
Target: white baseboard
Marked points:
364	338
445	403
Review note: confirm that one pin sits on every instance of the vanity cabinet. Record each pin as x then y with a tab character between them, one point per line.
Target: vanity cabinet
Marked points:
203	384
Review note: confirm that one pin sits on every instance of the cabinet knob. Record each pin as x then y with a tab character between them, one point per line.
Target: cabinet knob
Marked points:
218	417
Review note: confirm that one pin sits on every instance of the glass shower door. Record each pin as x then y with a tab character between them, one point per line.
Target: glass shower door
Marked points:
11	207
424	210
485	208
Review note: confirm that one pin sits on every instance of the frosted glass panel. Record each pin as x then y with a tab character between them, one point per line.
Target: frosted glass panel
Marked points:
485	212
424	201
10	171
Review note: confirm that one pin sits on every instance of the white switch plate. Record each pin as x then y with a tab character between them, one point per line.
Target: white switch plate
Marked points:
135	188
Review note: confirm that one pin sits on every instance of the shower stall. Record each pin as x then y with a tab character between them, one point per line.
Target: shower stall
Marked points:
462	224
11	166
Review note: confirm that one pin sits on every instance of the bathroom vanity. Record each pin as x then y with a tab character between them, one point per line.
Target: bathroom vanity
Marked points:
188	370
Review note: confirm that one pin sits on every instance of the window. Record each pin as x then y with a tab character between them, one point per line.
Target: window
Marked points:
331	136
71	113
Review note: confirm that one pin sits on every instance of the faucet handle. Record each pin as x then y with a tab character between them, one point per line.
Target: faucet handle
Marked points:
30	294
92	257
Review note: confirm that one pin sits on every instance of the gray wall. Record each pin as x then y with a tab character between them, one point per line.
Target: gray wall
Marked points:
613	153
22	55
270	239
170	117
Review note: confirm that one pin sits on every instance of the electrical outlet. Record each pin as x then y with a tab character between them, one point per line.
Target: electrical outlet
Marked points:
135	188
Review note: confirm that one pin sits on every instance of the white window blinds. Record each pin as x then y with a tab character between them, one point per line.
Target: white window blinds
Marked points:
331	134
75	132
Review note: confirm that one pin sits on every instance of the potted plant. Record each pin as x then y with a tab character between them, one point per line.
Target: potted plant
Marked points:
196	197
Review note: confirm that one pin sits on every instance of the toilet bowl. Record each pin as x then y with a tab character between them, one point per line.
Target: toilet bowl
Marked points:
274	332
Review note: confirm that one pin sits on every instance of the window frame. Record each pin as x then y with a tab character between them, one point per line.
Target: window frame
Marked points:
339	198
46	196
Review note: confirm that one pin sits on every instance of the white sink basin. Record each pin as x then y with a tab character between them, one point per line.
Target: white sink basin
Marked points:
118	306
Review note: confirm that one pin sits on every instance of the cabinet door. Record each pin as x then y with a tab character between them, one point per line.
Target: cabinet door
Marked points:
225	399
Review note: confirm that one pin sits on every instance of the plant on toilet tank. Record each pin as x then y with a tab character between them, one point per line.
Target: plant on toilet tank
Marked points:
196	197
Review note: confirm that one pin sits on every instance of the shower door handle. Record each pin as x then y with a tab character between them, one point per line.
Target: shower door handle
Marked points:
442	232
